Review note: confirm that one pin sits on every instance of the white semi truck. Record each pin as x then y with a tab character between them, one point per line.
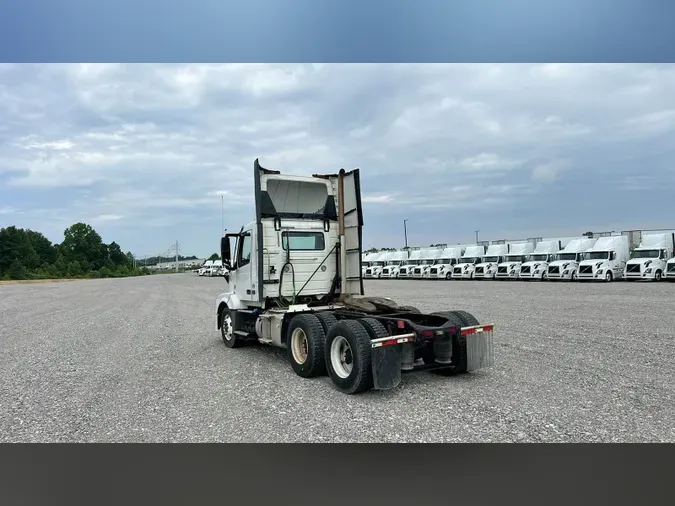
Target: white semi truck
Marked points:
517	256
467	264
649	260
394	263
294	276
670	270
487	268
205	269
376	265
428	258
215	269
606	260
536	266
565	266
406	270
448	258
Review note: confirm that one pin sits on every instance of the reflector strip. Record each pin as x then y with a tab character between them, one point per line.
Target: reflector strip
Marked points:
476	329
391	340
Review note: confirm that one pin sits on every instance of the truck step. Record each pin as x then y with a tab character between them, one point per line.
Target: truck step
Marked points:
264	340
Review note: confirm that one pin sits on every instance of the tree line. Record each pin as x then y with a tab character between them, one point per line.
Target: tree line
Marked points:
27	254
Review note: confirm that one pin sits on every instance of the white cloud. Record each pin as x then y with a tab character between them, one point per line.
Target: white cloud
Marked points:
158	145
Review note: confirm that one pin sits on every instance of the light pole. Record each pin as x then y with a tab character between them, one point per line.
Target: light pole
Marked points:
477	236
405	232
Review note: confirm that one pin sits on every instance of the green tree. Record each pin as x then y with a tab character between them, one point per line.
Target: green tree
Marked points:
15	244
74	269
82	242
16	270
215	256
115	254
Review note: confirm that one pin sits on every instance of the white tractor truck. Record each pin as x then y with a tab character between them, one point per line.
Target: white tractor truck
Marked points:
376	265
606	260
294	276
670	270
536	266
215	268
565	266
517	256
427	259
487	268
649	260
205	269
448	258
467	264
394	263
406	270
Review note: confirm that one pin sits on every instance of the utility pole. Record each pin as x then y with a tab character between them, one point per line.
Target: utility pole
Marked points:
176	255
477	236
405	232
222	216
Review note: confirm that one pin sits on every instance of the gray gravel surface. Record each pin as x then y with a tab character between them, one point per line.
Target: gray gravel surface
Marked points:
139	359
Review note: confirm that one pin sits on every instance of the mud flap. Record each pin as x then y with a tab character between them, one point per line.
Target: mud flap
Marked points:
386	363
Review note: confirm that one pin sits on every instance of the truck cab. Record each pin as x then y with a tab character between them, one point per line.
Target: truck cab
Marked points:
377	263
448	258
205	269
487	268
606	260
294	282
427	259
536	266
649	260
406	270
394	263
517	256
465	267
565	266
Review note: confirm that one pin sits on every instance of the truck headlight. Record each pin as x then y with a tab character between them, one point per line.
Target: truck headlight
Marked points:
648	270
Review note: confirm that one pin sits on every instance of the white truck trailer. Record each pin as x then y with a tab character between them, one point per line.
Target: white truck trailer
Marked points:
536	266
606	260
406	270
295	283
487	268
394	263
517	256
649	260
428	258
467	264
448	258
565	266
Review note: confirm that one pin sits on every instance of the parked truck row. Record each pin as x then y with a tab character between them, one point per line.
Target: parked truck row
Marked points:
606	258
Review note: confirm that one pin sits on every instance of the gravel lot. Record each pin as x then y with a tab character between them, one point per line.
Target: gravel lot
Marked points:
139	359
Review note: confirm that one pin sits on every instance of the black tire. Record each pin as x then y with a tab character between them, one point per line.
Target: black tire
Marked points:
231	340
314	363
360	377
326	319
657	276
609	276
448	275
410	309
374	328
466	319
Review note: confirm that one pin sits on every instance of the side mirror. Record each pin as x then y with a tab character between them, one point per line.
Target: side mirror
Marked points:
226	253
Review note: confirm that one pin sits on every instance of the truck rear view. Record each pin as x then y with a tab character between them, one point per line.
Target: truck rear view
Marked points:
294	276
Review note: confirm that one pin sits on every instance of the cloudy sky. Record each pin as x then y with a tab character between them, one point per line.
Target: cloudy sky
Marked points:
144	152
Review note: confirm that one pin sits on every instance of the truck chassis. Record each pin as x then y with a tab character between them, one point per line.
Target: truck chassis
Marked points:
367	349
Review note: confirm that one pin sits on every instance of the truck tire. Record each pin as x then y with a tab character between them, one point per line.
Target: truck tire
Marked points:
348	359
467	319
609	276
657	276
374	328
326	319
410	309
305	346
230	339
